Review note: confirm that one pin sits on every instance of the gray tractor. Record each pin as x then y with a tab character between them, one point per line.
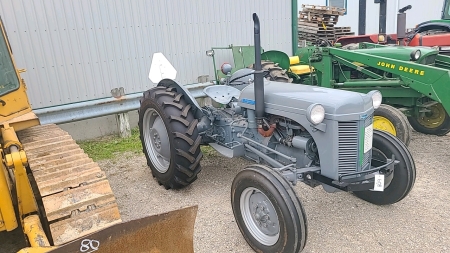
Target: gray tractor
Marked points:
293	133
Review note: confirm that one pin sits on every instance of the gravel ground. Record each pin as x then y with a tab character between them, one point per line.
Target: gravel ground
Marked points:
337	222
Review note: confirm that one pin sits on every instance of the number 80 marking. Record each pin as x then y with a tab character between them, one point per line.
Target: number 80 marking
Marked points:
88	244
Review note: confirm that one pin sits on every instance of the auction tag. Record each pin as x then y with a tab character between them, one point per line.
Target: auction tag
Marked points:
379	183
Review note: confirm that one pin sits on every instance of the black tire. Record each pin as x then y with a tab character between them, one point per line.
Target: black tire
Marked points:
392	120
263	187
384	145
436	122
273	72
169	137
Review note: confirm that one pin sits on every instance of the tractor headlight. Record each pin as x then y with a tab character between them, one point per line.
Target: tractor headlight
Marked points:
210	52
415	55
376	99
226	68
315	113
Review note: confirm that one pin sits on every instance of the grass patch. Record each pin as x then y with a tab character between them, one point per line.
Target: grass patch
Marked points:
111	146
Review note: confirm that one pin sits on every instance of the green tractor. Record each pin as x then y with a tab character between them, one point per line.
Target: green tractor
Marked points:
412	80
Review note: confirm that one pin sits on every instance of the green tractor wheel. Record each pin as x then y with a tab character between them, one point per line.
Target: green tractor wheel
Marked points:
389	119
274	72
436	122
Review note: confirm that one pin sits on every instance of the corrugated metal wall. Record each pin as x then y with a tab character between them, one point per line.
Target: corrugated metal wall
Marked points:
79	50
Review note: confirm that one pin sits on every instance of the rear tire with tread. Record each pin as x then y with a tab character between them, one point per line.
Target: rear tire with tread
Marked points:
437	122
164	113
273	72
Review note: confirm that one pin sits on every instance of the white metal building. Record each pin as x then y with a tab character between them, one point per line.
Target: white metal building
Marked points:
76	52
79	50
421	11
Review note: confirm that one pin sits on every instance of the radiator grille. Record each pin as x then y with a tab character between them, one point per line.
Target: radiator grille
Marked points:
348	146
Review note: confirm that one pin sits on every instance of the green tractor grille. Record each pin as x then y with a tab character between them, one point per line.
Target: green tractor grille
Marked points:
349	157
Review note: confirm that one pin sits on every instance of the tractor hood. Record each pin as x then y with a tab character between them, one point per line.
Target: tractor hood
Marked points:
296	98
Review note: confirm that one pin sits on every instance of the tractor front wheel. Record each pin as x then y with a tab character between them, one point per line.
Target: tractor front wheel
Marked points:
384	146
435	122
169	137
268	212
390	119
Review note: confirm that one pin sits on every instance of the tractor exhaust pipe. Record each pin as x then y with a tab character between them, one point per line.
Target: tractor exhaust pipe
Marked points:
259	83
401	23
258	75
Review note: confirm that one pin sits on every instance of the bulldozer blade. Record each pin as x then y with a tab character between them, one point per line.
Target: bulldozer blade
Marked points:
166	232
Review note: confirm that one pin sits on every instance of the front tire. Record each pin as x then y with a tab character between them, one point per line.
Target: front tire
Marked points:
393	121
169	137
268	212
384	146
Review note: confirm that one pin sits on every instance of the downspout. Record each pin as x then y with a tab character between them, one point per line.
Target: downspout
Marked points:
362	17
382	23
294	11
397	7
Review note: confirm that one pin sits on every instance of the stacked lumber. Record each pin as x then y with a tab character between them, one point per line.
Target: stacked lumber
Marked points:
317	22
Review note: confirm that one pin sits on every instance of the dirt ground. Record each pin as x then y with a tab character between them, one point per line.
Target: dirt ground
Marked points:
337	222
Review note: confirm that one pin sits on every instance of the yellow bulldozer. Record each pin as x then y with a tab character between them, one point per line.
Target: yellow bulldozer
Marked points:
57	195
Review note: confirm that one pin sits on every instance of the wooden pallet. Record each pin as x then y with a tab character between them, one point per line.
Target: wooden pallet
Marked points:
344	34
309	36
323	9
315	24
339	29
319	30
318	19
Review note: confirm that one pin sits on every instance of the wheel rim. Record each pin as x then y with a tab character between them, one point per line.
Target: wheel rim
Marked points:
383	124
156	140
259	216
433	119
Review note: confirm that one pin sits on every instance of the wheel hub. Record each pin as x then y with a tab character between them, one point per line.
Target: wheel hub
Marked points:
382	123
261	215
155	138
434	118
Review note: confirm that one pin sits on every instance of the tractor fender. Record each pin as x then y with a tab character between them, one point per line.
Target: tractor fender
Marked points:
168	83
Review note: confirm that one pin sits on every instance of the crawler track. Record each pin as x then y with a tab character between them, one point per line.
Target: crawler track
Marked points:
75	192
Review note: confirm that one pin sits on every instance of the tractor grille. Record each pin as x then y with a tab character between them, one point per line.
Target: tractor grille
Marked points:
348	147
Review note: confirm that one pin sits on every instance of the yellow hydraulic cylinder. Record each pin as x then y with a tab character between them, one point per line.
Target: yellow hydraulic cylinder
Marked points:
8	219
33	229
9	137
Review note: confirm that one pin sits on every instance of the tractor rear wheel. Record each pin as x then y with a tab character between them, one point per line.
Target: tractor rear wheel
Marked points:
390	119
384	146
436	122
169	136
274	72
268	212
